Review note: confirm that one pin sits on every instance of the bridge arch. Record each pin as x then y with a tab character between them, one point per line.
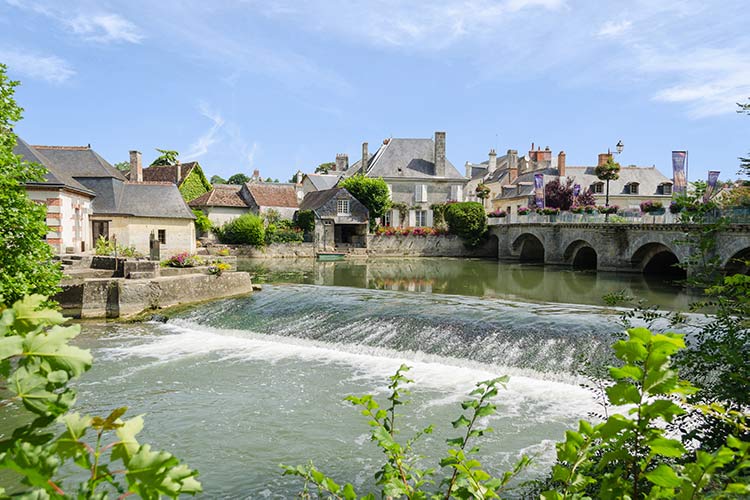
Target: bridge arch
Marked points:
737	263
529	248
657	259
581	254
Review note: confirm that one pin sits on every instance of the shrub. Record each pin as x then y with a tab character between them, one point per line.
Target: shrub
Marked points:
590	209
246	229
306	220
467	220
497	213
585	198
372	193
675	207
202	222
105	246
283	232
559	195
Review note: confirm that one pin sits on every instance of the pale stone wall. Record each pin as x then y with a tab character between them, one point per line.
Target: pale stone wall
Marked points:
427	246
438	191
136	231
67	217
221	215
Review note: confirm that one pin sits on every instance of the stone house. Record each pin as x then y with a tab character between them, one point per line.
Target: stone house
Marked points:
128	211
340	219
260	197
418	175
222	204
188	177
68	202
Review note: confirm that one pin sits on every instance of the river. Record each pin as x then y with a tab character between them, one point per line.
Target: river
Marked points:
237	386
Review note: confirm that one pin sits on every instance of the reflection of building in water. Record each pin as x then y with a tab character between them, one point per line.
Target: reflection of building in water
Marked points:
404	284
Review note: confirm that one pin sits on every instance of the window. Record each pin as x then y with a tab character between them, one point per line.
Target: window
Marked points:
390	190
342	207
163	236
456	193
597	187
387	218
420	218
665	189
420	193
631	188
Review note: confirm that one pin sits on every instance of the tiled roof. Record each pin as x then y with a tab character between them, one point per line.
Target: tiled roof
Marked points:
272	194
167	173
222	195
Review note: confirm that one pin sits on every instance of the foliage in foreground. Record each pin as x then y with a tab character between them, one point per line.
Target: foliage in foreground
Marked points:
371	192
628	455
26	264
467	220
37	363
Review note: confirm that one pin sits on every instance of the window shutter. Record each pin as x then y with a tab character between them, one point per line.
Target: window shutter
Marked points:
416	192
459	193
424	193
390	190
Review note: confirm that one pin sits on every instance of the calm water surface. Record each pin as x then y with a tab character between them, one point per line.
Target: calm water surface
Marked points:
238	386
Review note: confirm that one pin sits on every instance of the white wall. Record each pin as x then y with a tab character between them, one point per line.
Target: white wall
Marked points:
136	231
221	215
67	216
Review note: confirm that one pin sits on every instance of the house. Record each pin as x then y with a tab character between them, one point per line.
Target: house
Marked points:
68	202
222	204
318	182
260	197
188	177
340	219
418	175
128	211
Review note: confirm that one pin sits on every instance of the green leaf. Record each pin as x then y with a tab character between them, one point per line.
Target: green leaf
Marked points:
461	421
664	476
128	445
53	347
666	447
623	393
11	346
627	371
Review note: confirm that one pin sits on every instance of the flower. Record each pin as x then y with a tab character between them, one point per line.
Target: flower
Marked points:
497	213
524	210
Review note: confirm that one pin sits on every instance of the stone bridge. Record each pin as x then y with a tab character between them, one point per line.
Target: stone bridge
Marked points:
640	248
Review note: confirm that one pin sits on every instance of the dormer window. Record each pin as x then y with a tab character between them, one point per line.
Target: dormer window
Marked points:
342	207
597	188
665	189
631	188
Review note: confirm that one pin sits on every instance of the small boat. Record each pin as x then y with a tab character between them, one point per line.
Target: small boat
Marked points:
328	256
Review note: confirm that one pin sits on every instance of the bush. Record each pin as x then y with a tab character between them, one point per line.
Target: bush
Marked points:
246	229
283	232
202	222
467	220
372	193
306	220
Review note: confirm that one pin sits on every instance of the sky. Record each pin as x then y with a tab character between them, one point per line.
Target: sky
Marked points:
282	85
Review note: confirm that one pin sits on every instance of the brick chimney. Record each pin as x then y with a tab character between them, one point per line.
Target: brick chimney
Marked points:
603	158
178	174
365	159
561	163
467	166
298	177
532	153
440	154
545	157
512	165
136	166
342	162
256	176
492	163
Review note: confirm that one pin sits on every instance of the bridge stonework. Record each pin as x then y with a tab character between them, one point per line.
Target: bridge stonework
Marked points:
618	247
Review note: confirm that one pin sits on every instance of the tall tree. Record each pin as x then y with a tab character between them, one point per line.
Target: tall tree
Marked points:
123	166
238	179
372	193
325	168
167	157
26	265
559	195
609	171
217	179
744	162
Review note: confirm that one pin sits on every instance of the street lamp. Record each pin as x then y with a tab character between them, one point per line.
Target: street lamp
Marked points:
620	146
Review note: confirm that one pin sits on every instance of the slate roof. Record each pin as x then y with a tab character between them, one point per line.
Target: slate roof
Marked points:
316	199
54	177
79	161
168	173
272	194
138	198
323	181
222	195
406	158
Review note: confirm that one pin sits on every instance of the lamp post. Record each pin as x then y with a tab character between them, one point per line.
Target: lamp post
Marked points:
618	149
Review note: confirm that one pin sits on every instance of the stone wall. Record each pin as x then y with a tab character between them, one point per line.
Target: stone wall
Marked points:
273	251
426	246
119	298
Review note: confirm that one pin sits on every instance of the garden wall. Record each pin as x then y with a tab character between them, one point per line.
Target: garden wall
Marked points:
427	246
272	251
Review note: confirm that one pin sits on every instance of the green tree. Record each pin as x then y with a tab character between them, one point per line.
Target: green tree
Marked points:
325	168
744	162
238	179
371	192
167	157
467	220
26	263
247	229
609	171
217	179
123	166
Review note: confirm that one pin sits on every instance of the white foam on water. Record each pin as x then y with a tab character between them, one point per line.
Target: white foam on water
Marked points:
452	378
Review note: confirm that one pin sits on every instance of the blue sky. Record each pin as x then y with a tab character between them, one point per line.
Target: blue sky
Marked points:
285	84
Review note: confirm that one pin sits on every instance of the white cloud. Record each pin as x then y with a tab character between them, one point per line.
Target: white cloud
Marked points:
612	29
249	154
201	145
105	28
48	68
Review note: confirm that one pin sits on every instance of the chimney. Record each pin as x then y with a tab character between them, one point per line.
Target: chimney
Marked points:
467	166
561	164
136	166
546	156
298	177
440	154
365	159
342	162
512	165
603	157
256	175
492	163
178	173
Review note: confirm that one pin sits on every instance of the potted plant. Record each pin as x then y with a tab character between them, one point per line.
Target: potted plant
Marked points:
675	207
577	209
524	210
652	207
612	209
497	213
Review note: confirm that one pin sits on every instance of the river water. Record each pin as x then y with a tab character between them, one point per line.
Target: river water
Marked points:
237	386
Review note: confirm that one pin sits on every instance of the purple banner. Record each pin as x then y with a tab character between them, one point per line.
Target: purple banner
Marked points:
713	179
679	159
539	190
576	190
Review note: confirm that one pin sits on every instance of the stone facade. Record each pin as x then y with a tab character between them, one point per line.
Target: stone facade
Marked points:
67	217
136	231
425	246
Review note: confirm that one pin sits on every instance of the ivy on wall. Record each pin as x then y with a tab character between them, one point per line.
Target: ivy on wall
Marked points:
195	184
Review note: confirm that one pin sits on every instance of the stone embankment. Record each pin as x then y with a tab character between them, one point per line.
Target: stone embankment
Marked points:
131	287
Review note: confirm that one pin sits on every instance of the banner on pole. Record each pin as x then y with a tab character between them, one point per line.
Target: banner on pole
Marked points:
576	189
539	190
679	158
713	179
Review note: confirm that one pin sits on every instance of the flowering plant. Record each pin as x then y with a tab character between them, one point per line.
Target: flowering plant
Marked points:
612	209
524	210
649	206
497	213
577	209
184	259
549	211
589	209
218	268
675	207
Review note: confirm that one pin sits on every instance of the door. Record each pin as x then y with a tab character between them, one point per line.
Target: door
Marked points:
99	228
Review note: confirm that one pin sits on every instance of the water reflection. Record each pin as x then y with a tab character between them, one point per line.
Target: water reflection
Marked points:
472	277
